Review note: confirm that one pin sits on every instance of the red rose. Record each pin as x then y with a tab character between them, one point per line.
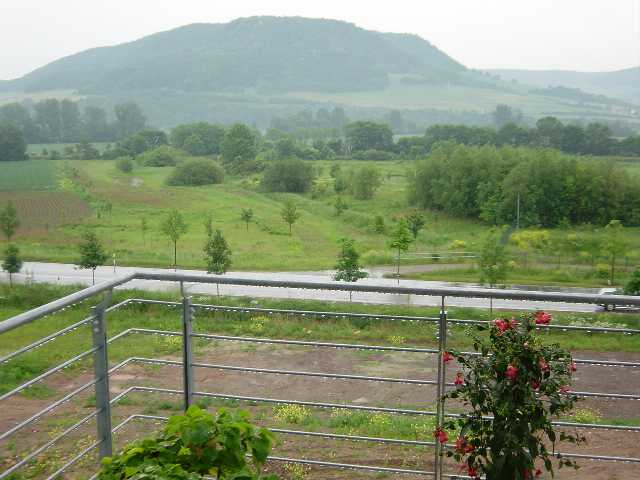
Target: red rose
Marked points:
513	323
573	367
441	435
472	472
511	372
501	325
535	384
460	443
544	366
538	472
459	379
469	448
542	318
446	357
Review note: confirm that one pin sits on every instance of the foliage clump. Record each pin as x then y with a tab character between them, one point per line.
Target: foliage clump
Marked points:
162	156
514	387
195	173
193	446
290	175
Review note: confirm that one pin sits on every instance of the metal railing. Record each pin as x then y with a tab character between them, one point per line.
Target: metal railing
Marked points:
102	371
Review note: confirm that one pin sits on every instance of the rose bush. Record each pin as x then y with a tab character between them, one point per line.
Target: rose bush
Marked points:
513	388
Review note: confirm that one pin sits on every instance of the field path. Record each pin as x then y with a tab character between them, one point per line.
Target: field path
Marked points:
67	274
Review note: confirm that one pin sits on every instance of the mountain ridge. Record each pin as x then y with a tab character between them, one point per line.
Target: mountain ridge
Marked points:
262	53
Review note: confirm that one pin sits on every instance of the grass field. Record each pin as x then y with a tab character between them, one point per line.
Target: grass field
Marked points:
54	220
266	245
30	176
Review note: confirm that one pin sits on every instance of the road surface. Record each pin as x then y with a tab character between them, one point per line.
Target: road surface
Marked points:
66	274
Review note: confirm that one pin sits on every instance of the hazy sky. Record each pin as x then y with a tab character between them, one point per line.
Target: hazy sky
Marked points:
587	35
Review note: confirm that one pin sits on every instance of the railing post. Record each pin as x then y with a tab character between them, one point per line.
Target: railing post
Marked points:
442	345
187	357
101	372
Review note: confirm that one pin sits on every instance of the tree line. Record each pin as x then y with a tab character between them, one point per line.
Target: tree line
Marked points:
502	185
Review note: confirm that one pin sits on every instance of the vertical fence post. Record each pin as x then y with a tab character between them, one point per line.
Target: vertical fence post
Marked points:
442	345
187	357
101	372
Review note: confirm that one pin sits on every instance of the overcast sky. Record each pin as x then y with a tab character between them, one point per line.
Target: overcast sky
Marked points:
586	35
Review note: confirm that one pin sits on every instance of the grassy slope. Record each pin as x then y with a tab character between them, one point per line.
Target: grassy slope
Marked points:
267	245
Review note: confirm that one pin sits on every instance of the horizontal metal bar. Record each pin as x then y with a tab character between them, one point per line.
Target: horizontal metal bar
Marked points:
44	340
410	381
76	297
317	344
387	440
430	291
608	458
47	409
59	304
613	396
47	373
335	436
273	400
352	466
410	318
47	445
610	363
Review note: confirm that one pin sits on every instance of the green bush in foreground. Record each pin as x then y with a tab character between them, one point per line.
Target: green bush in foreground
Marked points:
195	173
195	445
514	387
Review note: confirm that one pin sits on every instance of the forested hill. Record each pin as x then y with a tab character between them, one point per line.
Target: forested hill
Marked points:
623	84
268	54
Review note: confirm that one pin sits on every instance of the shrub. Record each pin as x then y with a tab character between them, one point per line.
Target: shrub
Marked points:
196	172
162	156
195	445
366	181
124	164
514	386
291	175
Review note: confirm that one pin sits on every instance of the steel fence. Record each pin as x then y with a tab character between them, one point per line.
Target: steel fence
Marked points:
104	401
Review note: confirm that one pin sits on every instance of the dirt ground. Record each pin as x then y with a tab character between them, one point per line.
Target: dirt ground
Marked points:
339	391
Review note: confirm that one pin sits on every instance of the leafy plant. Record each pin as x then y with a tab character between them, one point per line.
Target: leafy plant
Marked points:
195	445
514	388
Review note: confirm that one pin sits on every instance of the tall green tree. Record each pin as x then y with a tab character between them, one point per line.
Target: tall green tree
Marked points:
415	221
615	245
340	206
12	262
348	267
400	241
144	228
9	221
492	261
365	135
208	224
129	119
239	148
246	215
92	254
289	213
217	254
12	145
173	227
365	182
